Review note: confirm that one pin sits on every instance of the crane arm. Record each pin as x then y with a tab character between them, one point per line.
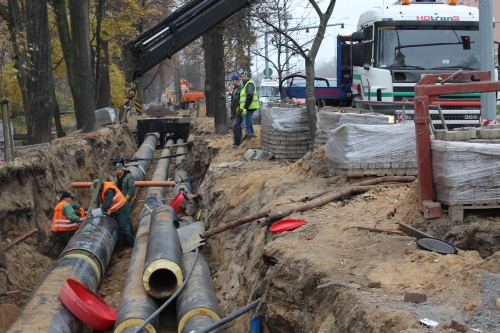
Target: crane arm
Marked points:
178	30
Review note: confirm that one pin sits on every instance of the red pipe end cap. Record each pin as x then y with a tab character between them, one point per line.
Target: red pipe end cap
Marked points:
286	225
87	306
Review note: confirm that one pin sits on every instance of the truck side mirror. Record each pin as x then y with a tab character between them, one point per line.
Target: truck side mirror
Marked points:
357	36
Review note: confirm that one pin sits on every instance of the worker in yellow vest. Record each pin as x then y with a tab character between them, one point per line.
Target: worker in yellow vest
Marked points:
113	202
65	222
249	103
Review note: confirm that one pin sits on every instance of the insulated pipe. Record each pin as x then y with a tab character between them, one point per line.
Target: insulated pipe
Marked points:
197	299
161	172
138	183
162	273
178	159
44	312
136	305
185	186
146	151
96	241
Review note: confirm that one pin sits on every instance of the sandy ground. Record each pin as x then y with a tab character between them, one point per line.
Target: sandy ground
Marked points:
312	279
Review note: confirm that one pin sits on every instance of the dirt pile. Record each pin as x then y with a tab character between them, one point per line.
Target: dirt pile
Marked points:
316	278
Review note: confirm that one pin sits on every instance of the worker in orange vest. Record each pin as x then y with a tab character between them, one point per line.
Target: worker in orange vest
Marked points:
65	222
113	202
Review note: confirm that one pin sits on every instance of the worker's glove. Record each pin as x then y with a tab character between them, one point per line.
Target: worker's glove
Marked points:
238	111
244	112
127	198
94	206
231	117
82	219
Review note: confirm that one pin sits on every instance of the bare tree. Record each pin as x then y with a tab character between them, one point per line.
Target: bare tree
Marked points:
40	84
75	43
215	96
272	19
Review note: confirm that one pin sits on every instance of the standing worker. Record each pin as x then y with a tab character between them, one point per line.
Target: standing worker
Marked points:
235	110
65	222
125	182
249	103
112	201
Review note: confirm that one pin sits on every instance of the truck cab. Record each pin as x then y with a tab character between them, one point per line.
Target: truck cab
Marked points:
269	91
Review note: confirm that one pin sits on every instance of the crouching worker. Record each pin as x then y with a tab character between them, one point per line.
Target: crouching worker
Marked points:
65	222
112	201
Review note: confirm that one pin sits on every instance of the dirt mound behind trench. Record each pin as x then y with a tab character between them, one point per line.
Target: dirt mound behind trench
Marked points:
286	269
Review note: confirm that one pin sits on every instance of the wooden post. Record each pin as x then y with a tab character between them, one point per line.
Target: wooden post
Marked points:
8	144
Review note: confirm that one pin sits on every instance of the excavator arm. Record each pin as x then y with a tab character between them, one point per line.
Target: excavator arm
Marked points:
177	30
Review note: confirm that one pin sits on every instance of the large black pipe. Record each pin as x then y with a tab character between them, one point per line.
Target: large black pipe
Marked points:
197	299
95	240
136	305
44	312
145	153
162	268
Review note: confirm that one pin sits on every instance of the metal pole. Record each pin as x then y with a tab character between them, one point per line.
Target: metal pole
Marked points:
286	40
488	100
266	53
6	131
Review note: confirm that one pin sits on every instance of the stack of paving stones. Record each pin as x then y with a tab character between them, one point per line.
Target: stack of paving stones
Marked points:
285	130
329	118
358	150
466	168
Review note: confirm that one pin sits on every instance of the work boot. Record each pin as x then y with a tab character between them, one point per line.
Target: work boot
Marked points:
235	146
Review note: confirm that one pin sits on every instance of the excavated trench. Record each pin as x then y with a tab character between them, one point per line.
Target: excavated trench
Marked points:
313	280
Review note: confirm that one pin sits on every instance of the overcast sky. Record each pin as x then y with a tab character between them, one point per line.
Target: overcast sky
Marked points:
345	11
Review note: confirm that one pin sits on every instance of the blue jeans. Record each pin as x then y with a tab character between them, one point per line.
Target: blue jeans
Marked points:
237	119
248	121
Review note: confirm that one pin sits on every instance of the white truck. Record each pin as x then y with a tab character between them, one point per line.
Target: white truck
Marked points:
269	91
396	45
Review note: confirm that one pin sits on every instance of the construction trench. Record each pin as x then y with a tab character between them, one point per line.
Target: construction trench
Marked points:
330	275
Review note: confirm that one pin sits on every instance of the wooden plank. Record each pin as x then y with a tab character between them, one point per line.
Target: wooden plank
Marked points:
410	231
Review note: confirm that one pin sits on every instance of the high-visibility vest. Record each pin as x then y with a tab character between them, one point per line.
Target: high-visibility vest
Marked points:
60	222
243	97
118	199
82	213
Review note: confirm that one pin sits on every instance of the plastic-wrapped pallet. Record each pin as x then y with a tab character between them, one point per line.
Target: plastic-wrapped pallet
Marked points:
285	131
372	150
466	173
327	120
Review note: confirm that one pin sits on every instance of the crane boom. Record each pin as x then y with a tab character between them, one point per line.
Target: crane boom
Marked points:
178	30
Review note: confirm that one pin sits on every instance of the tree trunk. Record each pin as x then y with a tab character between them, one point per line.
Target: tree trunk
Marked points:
20	58
310	100
40	82
85	104
57	114
213	45
104	92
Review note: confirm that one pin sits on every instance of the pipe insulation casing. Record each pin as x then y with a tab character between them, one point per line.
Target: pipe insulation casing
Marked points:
198	296
161	172
178	159
146	150
95	240
197	323
136	305
44	312
163	273
179	176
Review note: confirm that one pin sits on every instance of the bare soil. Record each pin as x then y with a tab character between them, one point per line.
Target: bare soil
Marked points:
284	270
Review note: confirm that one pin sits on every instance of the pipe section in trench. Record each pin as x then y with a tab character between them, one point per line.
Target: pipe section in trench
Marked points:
136	305
197	305
84	259
163	273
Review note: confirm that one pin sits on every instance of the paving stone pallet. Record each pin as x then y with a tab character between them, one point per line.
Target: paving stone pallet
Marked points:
456	212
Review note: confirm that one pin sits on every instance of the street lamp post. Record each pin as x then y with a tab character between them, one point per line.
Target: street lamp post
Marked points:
335	36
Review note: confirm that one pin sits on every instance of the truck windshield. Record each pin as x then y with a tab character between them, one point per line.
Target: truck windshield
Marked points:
269	91
426	48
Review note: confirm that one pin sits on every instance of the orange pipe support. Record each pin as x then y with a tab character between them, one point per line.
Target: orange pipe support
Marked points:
138	183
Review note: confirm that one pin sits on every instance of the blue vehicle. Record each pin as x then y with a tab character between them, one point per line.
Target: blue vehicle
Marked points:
327	91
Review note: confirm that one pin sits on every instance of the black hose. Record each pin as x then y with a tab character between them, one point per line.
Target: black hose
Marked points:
232	316
160	309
